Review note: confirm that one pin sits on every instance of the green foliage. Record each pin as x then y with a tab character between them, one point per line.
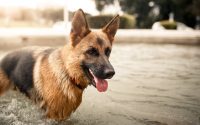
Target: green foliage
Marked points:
185	11
101	3
168	25
126	21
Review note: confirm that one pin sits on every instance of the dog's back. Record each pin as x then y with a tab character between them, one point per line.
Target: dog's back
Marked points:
16	68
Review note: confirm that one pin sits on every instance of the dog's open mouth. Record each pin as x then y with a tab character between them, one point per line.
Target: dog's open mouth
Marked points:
100	84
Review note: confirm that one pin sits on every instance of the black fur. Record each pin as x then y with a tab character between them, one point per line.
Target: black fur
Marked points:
100	41
18	66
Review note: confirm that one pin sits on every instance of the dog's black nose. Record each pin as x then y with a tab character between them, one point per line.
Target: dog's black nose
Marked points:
109	73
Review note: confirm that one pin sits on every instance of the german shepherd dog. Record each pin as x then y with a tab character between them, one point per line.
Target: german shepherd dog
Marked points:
56	78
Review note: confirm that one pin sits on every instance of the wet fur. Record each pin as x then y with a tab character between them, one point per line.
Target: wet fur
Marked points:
54	78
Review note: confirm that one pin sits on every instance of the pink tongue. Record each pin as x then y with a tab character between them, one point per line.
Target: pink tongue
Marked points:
101	84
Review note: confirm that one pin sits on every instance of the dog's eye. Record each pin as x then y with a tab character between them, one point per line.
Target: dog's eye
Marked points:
93	52
107	52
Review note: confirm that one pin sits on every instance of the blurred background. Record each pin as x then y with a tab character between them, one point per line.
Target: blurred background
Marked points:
156	56
135	14
23	22
140	14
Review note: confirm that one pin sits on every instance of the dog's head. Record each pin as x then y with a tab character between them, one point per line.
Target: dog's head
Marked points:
91	49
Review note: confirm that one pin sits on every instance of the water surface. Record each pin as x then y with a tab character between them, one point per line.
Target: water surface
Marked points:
154	85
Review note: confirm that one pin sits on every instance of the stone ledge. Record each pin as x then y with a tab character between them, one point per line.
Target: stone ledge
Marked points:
14	38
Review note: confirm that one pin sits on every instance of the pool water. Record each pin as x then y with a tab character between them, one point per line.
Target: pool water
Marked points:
155	84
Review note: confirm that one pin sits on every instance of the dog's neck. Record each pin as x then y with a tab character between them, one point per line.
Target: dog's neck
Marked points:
76	77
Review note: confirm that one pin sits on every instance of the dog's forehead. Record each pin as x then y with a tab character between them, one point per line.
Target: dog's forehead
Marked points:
100	38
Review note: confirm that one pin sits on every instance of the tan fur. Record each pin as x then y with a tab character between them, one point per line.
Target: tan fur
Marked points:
4	82
58	78
60	96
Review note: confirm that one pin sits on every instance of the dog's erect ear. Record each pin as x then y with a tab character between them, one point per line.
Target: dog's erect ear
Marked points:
79	28
111	28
